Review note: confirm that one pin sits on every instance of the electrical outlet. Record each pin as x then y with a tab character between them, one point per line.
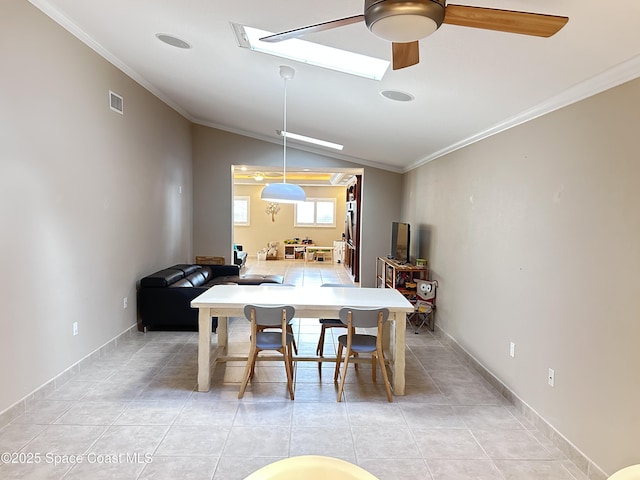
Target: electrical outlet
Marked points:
75	328
552	377
512	350
124	302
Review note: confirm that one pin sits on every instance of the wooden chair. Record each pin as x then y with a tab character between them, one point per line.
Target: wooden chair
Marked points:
280	341
289	324
356	343
326	323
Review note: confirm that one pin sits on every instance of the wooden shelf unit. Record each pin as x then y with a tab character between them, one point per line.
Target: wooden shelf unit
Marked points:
392	274
296	251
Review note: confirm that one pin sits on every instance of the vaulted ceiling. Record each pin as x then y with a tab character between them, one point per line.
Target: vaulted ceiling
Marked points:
469	83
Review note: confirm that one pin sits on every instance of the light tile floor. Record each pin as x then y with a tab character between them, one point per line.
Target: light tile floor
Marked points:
135	414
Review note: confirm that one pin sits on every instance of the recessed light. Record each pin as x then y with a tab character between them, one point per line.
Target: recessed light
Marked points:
172	40
397	95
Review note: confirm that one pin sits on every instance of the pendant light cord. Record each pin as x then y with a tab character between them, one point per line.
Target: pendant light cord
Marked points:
284	135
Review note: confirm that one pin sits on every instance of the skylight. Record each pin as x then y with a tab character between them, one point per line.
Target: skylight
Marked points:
312	53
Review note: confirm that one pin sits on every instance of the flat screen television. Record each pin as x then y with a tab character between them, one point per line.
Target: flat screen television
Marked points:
400	242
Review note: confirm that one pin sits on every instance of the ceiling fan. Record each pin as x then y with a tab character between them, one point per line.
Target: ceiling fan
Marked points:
404	22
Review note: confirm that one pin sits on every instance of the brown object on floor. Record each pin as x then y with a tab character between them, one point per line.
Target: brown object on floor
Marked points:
208	260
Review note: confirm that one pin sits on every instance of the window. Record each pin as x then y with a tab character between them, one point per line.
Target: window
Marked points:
312	53
241	210
316	212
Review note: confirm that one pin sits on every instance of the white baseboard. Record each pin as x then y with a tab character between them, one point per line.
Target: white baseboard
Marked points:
573	453
47	388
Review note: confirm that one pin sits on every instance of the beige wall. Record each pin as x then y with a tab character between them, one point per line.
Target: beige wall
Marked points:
89	199
533	235
261	230
215	152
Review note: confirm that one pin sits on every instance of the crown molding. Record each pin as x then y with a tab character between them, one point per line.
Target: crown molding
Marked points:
65	22
613	77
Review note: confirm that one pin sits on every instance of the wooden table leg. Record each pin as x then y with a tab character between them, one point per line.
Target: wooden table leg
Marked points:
223	335
204	349
397	346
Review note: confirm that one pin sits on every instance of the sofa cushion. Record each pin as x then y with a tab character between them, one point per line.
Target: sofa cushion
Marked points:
196	279
183	282
206	273
163	278
258	279
186	268
245	280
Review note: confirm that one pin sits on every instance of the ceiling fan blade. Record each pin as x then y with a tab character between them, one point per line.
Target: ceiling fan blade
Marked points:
405	54
510	21
319	27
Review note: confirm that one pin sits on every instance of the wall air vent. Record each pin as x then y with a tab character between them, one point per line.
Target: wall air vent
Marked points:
116	102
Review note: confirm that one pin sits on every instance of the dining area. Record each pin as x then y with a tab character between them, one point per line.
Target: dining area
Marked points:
373	332
143	396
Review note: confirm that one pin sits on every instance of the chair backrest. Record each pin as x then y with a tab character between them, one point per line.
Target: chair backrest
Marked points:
269	316
363	317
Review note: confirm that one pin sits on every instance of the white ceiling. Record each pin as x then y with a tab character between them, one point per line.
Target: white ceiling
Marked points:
470	83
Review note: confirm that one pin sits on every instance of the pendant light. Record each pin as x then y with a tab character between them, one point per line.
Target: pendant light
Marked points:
284	192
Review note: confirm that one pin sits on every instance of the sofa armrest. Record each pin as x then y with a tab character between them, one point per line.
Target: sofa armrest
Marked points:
169	307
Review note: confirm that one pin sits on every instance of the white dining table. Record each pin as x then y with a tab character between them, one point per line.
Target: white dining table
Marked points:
224	301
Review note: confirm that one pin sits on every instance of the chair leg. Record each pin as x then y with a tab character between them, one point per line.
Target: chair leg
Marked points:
355	365
380	356
288	366
293	342
373	366
253	366
344	374
247	373
291	365
320	347
338	360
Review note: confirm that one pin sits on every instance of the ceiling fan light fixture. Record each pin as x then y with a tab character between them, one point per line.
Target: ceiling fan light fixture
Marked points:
403	28
403	21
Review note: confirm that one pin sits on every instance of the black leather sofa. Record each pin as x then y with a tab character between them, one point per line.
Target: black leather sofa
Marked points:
164	297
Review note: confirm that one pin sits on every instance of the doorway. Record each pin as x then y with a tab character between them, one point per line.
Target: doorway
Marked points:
257	225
